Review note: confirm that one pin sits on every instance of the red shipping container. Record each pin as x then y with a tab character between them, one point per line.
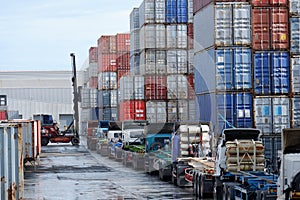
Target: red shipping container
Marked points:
107	63
269	2
93	82
191	86
93	55
122	72
107	44
3	115
123	61
132	110
123	42
270	29
190	36
280	28
155	87
260	29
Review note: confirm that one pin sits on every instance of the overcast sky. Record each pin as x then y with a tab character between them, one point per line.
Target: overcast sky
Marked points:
41	34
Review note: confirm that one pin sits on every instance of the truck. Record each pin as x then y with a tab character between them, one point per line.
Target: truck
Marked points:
132	140
189	140
157	148
239	170
289	176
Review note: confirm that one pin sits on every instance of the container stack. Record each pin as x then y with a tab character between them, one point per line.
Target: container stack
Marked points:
113	63
3	107
161	37
242	66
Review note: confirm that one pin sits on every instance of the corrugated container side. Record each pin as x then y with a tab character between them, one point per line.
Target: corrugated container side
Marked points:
134	19
152	62
271	73
205	72
171	11
123	61
190	61
93	97
93	69
182	15
234	110
156	111
294	33
295	112
93	55
85	97
146	12
223	24
160	11
242	24
180	110
107	62
272	114
123	42
134	42
160	36
131	88
110	114
295	74
280	28
272	145
177	61
190	11
11	165
93	82
107	81
260	28
132	110
3	115
155	87
281	3
148	36
135	64
107	44
190	36
182	36
294	6
107	98
191	86
177	87
13	114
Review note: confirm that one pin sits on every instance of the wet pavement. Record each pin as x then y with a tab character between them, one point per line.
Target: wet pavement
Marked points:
69	172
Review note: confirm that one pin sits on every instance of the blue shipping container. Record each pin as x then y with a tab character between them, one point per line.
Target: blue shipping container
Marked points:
271	72
234	110
233	69
182	13
295	35
171	11
272	145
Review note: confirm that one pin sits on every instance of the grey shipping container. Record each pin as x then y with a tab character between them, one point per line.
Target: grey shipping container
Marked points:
146	12
295	7
295	74
107	81
11	163
295	112
152	62
272	114
177	87
156	111
131	88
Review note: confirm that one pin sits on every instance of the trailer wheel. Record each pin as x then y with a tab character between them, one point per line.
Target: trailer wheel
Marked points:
200	187
75	141
155	146
44	141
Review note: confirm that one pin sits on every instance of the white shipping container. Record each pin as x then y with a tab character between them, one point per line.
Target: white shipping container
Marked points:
85	97
296	112
160	36
295	66
223	24
160	11
190	11
182	36
134	42
146	12
177	61
271	114
107	81
134	19
93	97
242	24
153	62
156	111
147	36
176	36
177	87
131	88
171	36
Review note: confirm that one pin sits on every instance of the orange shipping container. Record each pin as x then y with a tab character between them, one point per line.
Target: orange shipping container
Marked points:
123	42
123	61
107	63
107	44
269	2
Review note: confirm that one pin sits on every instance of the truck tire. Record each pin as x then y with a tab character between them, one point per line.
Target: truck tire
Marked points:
218	189
74	141
155	146
195	185
200	187
44	141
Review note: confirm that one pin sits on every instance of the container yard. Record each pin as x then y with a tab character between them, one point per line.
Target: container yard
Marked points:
199	99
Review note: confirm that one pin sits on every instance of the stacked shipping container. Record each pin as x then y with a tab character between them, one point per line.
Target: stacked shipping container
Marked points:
242	66
161	38
113	63
3	107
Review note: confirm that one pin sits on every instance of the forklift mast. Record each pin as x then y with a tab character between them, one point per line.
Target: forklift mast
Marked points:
75	96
